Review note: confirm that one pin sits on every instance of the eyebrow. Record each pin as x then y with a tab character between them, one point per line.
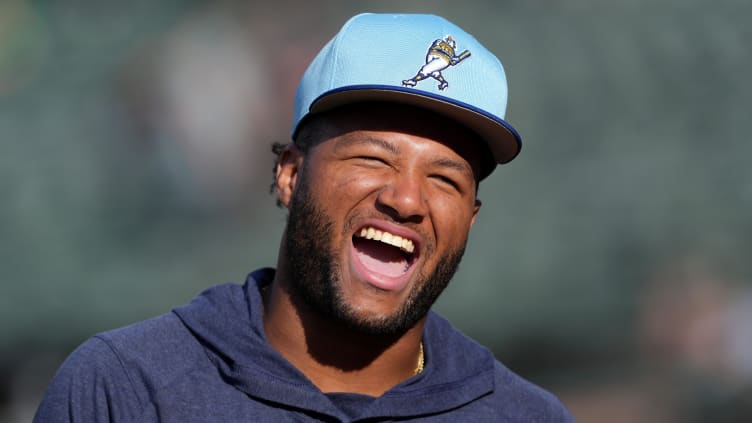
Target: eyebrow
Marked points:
456	165
348	141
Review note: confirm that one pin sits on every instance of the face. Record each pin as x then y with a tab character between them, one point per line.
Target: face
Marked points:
380	211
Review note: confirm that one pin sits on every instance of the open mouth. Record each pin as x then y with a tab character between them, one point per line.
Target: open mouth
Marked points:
384	253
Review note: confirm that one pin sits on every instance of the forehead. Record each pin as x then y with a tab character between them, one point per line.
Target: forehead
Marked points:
394	117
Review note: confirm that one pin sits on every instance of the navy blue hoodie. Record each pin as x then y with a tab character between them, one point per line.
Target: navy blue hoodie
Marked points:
209	361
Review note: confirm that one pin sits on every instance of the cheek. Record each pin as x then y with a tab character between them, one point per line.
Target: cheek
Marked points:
339	193
326	181
452	219
352	183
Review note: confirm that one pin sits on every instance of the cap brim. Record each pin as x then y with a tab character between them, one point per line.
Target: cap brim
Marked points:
500	137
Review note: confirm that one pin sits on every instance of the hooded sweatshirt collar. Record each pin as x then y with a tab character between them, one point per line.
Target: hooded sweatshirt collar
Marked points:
227	320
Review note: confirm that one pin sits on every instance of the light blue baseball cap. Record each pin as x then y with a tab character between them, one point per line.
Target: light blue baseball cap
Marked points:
420	60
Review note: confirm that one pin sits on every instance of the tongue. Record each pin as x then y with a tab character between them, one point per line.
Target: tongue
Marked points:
380	258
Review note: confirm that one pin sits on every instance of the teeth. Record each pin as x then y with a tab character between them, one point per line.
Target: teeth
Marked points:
407	245
387	238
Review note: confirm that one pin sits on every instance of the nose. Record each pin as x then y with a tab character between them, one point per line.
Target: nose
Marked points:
403	199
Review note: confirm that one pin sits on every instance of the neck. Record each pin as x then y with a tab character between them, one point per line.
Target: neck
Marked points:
334	357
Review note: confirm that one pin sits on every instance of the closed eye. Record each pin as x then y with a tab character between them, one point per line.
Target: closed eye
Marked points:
447	181
454	173
371	159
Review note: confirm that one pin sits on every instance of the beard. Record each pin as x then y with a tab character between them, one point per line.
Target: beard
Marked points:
316	276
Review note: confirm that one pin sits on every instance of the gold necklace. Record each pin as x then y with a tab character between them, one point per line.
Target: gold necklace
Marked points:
421	360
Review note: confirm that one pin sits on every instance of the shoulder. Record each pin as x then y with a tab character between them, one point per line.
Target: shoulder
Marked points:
154	351
508	396
521	400
112	375
83	387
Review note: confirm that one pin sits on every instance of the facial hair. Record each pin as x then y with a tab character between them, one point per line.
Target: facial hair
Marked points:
316	276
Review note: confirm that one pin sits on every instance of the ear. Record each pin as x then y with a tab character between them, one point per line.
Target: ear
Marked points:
476	209
288	169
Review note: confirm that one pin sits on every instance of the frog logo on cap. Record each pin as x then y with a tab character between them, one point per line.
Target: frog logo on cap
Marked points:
440	56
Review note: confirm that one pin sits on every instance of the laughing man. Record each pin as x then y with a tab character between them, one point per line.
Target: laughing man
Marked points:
381	184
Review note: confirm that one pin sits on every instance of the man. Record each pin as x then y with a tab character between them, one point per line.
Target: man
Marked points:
381	185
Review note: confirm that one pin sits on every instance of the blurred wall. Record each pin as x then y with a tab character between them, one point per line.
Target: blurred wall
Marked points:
610	260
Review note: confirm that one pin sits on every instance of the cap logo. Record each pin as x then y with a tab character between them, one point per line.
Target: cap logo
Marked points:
441	55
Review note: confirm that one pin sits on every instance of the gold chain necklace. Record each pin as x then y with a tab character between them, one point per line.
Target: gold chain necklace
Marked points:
421	360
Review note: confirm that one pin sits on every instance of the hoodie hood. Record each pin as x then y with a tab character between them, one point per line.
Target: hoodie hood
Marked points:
227	320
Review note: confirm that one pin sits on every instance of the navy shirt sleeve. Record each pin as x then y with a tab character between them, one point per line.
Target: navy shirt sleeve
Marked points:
91	386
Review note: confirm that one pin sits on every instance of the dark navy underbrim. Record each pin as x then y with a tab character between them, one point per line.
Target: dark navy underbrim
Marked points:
502	139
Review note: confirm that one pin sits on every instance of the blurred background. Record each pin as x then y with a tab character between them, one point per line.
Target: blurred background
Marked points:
610	263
